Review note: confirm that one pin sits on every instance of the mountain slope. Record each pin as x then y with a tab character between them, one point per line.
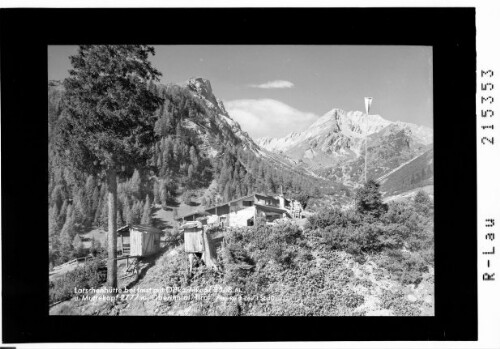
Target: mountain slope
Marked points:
199	145
418	172
202	90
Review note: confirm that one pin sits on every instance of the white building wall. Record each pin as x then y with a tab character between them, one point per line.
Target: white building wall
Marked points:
213	219
241	217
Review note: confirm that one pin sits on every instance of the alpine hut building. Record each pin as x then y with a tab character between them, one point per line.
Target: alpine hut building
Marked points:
138	240
243	211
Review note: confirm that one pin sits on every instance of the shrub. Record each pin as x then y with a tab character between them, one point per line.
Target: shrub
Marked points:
364	238
398	303
406	267
187	197
332	217
284	270
82	277
301	197
401	227
422	203
174	237
80	251
97	250
353	300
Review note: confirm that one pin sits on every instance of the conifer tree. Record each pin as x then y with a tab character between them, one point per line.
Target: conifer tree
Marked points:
137	212
146	214
90	186
190	176
127	213
422	202
104	217
58	196
156	193
227	192
76	241
95	202
53	224
67	234
108	120
79	207
135	184
120	222
369	199
62	214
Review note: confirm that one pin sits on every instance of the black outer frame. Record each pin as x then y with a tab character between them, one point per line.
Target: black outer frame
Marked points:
25	35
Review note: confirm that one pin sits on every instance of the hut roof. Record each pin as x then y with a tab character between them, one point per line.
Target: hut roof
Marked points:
203	213
141	228
240	198
192	224
194	213
271	208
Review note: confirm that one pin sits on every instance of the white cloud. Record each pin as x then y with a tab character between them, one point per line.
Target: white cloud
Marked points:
274	84
268	117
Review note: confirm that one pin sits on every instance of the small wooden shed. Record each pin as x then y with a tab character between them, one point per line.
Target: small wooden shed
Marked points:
139	240
193	236
197	240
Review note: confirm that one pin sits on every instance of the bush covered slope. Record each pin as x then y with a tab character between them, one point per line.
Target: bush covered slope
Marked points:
347	263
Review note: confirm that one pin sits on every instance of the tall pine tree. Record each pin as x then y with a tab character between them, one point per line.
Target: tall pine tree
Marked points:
108	120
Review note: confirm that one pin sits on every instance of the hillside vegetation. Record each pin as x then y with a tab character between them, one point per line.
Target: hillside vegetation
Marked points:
147	152
199	147
417	173
376	259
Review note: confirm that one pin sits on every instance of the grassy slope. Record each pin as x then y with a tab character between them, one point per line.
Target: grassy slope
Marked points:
414	174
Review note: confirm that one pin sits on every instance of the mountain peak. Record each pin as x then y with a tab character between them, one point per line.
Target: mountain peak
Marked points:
203	88
200	85
355	123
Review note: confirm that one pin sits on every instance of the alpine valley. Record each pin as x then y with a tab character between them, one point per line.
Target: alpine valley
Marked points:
204	153
156	189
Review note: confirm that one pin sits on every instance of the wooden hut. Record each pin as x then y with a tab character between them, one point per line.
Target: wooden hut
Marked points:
193	236
197	241
138	240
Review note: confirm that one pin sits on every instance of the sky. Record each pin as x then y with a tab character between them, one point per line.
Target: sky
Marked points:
272	90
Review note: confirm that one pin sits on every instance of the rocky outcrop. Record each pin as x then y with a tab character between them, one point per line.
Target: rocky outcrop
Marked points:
202	89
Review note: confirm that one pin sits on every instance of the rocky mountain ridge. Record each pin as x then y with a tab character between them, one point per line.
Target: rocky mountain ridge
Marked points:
202	89
333	147
338	125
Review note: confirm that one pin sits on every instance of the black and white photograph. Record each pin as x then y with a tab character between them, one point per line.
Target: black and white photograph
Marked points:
278	175
240	180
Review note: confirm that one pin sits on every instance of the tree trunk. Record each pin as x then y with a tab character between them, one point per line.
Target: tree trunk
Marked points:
112	279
